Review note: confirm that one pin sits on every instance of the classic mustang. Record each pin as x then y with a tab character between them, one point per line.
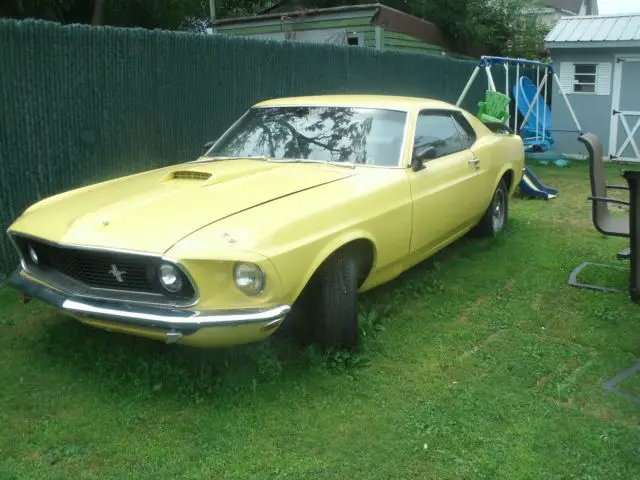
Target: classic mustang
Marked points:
299	206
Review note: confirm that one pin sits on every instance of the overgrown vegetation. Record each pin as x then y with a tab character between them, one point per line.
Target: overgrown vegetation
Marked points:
167	14
480	363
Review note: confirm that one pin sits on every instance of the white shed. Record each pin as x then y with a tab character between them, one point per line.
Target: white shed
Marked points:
597	59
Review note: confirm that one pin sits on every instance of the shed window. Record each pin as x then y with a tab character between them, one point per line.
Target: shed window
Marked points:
356	39
584	79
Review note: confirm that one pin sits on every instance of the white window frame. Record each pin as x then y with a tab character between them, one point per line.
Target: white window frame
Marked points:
575	82
604	73
359	36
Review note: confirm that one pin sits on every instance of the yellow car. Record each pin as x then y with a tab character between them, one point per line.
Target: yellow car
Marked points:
299	206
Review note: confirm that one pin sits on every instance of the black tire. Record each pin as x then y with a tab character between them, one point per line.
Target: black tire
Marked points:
297	325
497	215
334	308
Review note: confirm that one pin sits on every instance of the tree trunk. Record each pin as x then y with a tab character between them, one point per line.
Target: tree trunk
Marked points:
98	12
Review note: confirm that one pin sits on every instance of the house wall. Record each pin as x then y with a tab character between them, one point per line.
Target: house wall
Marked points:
355	24
547	15
399	41
278	29
551	17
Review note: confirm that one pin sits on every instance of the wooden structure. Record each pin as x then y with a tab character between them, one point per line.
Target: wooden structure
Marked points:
371	25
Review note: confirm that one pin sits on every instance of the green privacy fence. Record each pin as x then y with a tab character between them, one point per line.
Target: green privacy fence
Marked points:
81	104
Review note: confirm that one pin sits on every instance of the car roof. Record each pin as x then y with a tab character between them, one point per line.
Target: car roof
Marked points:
375	101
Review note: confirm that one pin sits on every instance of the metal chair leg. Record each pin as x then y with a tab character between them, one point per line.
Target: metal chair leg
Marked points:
573	278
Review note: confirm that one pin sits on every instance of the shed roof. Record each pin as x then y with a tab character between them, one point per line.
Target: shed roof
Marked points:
595	31
287	6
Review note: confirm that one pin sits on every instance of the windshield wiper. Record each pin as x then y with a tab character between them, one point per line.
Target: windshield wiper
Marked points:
264	158
242	157
305	160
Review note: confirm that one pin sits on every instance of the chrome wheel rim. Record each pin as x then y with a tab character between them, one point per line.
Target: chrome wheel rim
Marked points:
499	211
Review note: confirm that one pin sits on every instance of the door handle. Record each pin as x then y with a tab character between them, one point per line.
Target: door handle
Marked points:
474	161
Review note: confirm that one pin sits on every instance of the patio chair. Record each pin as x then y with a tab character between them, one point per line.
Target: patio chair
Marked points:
602	218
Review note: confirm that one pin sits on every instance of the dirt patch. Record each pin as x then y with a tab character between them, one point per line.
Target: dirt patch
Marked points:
597	412
570	365
537	303
33	456
491	338
464	318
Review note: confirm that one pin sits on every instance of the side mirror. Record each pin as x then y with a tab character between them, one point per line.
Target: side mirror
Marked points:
207	146
420	155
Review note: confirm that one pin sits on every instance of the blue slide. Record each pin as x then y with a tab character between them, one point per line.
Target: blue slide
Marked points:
532	186
525	91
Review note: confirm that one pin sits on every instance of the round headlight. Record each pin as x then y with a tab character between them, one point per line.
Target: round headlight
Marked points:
170	278
33	255
249	278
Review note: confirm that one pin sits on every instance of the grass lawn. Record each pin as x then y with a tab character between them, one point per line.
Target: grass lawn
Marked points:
480	363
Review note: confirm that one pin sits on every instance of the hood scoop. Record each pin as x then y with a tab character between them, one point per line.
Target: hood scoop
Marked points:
189	175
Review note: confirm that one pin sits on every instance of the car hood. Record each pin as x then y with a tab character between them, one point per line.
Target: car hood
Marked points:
152	211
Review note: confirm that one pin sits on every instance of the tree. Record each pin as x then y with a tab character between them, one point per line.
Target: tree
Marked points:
492	24
165	14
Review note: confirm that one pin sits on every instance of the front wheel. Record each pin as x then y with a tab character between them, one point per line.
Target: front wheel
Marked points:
335	302
496	217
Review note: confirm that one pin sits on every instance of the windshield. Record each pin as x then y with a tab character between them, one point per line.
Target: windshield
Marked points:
367	136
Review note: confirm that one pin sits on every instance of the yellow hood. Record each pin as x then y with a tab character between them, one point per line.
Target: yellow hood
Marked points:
152	211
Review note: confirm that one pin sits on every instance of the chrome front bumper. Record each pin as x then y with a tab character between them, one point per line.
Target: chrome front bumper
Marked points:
178	321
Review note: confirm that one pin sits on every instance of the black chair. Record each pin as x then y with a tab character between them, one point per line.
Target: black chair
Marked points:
602	218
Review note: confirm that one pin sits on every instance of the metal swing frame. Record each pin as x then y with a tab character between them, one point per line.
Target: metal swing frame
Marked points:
486	62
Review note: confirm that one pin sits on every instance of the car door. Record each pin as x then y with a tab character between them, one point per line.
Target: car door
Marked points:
444	188
482	183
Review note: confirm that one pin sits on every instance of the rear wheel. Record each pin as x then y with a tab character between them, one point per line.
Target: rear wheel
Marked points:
497	215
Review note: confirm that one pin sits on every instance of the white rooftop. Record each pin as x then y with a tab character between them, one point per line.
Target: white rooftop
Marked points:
596	31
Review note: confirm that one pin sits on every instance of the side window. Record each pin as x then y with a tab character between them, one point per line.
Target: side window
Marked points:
467	133
438	130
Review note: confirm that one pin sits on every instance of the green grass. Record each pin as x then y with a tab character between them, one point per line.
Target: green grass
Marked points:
480	363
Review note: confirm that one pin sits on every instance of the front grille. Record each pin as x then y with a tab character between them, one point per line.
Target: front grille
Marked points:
100	269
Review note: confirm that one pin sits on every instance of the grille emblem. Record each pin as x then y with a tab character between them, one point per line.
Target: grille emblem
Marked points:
119	274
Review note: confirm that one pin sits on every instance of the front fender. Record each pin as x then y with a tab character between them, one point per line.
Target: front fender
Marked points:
332	246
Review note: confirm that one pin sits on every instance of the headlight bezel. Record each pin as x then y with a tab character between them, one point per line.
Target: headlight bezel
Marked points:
171	269
259	273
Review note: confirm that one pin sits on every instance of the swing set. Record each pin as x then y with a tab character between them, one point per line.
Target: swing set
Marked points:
530	100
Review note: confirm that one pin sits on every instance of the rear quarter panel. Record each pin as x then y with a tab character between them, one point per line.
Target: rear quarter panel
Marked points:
499	152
